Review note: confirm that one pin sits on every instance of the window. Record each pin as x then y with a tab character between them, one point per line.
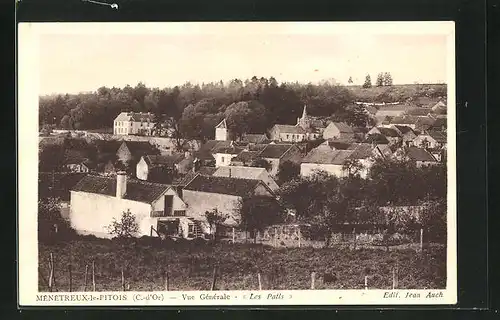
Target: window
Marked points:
222	159
179	213
190	228
288	136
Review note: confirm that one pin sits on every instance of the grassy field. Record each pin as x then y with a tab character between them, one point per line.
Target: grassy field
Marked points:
191	267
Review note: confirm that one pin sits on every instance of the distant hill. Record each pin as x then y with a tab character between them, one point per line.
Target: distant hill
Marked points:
399	93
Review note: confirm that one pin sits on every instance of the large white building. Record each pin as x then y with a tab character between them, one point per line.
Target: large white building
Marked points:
134	123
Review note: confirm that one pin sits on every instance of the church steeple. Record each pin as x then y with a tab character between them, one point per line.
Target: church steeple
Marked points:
304	113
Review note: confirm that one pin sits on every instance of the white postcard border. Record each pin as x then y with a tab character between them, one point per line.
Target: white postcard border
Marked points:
28	85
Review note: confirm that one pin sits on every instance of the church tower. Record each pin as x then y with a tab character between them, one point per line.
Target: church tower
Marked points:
304	121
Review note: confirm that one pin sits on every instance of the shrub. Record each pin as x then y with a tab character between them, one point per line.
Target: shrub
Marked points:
126	227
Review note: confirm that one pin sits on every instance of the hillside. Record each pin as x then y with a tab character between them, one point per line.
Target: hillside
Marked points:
403	92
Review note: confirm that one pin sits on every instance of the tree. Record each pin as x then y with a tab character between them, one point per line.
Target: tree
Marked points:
261	163
433	219
387	79
353	167
350	80
259	212
288	171
368	82
126	227
50	221
355	115
215	219
380	80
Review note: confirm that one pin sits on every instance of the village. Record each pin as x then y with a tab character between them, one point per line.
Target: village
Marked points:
198	192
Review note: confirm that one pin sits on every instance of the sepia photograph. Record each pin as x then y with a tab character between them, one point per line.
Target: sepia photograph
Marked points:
237	163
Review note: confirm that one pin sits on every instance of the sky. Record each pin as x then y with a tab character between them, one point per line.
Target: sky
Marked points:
87	58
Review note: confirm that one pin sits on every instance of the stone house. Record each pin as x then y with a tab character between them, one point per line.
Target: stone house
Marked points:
276	154
339	131
242	172
134	123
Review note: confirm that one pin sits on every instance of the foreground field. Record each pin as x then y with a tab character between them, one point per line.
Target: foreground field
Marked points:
191	267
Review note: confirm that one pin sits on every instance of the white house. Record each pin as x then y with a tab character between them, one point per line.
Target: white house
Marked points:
96	200
221	131
243	172
431	140
205	193
223	156
324	158
339	131
133	123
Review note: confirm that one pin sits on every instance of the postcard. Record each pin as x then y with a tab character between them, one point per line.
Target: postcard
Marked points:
237	164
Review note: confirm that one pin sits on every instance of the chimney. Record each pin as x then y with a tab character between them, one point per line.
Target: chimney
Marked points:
121	184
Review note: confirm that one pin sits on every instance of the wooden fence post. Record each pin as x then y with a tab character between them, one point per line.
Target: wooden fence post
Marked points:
53	268
421	239
70	280
123	281
214	279
313	280
366	282
354	233
51	273
85	278
234	235
260	282
166	281
93	275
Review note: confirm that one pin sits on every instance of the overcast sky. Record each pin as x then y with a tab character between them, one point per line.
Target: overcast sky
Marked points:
83	61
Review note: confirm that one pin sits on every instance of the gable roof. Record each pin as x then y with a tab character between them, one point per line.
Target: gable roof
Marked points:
388	132
224	185
229	150
140	148
404	129
343	127
208	171
325	156
135	116
239	172
286	128
361	150
403	120
376	138
419	154
438	136
418	112
222	124
246	156
440	122
137	190
274	151
255	138
338	145
168	161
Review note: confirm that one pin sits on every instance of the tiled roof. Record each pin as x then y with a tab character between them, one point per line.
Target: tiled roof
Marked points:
388	132
404	120
376	138
74	156
184	180
223	185
140	148
135	116
440	122
418	112
274	151
207	171
343	127
239	172
338	145
438	136
285	128
137	190
361	150
168	161
105	146
255	138
246	156
229	150
419	154
404	129
324	156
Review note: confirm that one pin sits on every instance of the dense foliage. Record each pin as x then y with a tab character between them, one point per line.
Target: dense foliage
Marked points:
252	105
